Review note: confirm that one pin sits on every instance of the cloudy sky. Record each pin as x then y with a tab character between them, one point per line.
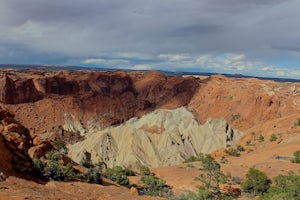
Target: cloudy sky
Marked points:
251	37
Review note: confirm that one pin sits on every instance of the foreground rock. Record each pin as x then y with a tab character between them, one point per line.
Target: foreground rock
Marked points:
161	138
15	188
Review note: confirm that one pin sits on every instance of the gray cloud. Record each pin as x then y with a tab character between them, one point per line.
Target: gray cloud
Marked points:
260	29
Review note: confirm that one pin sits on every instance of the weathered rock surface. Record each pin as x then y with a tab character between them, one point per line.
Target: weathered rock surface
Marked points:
15	188
163	137
82	101
245	102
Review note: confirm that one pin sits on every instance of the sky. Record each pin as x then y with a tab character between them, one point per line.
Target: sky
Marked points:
249	37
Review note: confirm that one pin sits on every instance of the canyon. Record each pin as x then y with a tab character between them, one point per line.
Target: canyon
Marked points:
147	118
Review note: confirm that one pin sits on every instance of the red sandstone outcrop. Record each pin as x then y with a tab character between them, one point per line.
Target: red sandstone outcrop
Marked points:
81	100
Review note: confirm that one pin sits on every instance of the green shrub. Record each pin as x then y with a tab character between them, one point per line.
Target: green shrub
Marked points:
144	170
118	175
60	146
53	156
154	186
240	148
285	187
235	117
232	152
53	170
68	172
199	157
129	172
261	138
256	182
93	175
249	143
39	165
210	178
224	160
273	137
187	196
86	162
296	158
236	179
297	123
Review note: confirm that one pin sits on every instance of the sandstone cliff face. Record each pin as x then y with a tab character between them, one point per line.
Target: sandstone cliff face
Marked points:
14	144
88	101
245	102
160	138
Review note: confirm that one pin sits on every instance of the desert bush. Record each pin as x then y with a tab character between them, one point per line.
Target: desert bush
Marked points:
273	137
198	157
240	148
129	172
93	175
53	170
118	175
285	187
53	156
224	160
154	186
235	117
261	138
249	143
232	152
86	162
297	123
187	196
144	170
39	165
296	158
210	178
236	179
60	146
256	182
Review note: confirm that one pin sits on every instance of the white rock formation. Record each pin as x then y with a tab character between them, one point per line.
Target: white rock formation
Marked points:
161	138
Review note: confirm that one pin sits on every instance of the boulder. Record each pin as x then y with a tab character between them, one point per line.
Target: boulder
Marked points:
39	150
134	191
4	113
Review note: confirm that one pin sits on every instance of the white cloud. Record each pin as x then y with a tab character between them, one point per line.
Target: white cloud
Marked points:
113	63
94	61
174	57
141	67
224	63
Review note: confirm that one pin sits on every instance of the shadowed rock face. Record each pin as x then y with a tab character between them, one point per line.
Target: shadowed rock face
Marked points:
83	101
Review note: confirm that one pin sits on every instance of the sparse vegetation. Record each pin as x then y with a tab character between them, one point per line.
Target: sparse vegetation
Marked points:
256	182
232	152
273	138
240	148
249	143
210	178
296	158
297	123
153	186
86	162
285	187
235	117
60	146
261	138
224	160
93	175
118	175
199	157
52	167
